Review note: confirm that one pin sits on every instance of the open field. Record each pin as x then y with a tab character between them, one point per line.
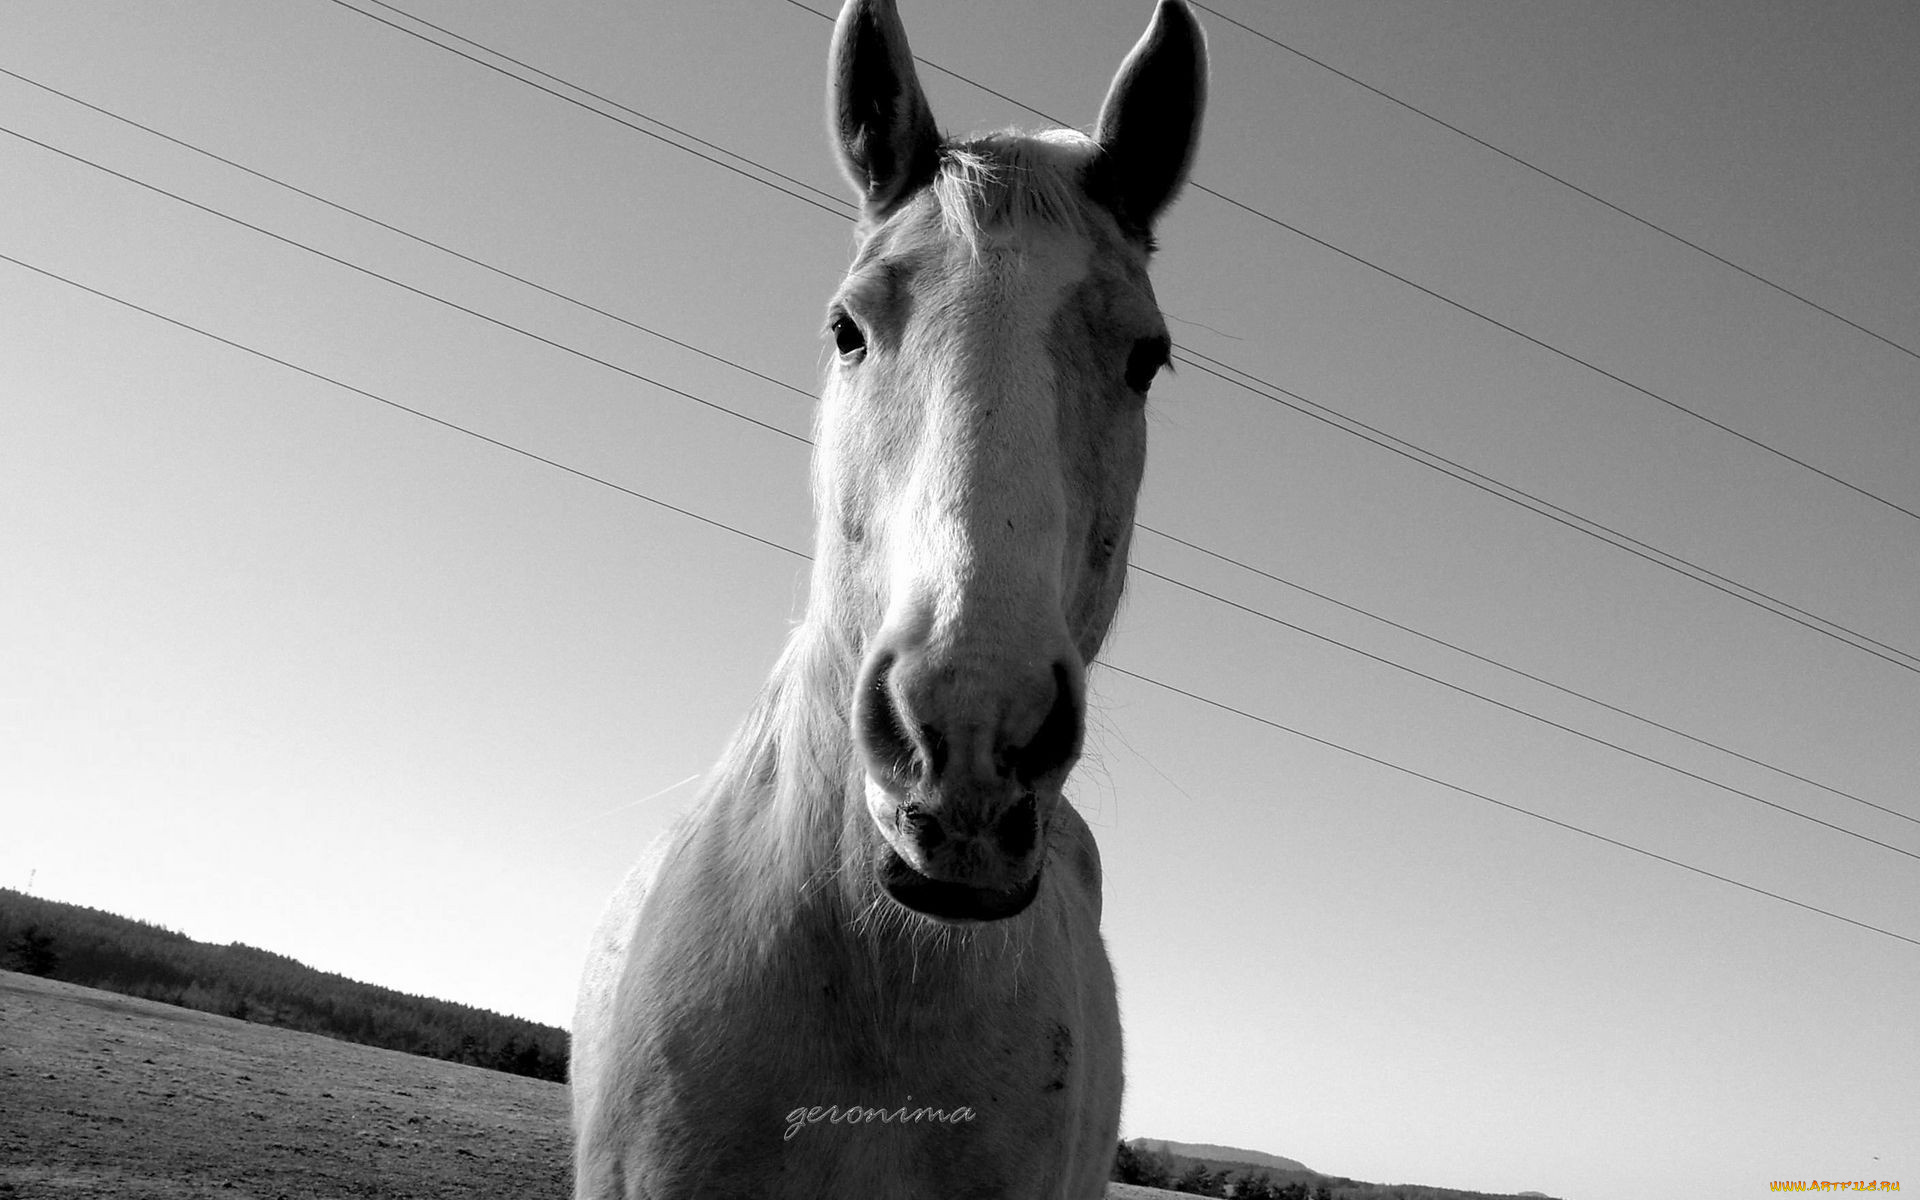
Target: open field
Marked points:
109	1097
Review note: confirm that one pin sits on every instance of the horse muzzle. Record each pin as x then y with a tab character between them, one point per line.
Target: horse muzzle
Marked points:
964	763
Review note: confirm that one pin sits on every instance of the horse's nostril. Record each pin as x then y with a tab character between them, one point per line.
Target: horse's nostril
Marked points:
923	826
1056	743
878	730
1018	829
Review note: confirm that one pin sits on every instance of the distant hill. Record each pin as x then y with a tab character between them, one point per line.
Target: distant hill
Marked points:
1225	1155
100	950
1199	1169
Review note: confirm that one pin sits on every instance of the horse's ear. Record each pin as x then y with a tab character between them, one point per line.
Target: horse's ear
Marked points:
878	115
1150	123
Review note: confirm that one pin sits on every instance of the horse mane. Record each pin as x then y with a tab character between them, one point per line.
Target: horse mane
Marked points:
794	751
1012	181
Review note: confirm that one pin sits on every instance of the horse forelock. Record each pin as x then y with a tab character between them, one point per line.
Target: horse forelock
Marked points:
1011	182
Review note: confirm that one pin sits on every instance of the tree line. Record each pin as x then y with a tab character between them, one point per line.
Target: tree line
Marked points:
1149	1167
101	950
1138	1162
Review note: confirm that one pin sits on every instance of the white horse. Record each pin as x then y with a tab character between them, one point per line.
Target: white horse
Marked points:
868	963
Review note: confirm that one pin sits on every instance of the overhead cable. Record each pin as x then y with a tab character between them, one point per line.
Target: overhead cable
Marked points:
790	551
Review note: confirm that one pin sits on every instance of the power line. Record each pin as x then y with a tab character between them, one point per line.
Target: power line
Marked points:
1555	350
1510	807
709	521
927	62
1779	607
838	206
1518	711
410	236
1585	525
407	287
410	411
1297	231
1276	393
1195	546
1544	173
1513	670
834	198
1553	512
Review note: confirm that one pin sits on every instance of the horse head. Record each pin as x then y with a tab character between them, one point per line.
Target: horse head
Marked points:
981	441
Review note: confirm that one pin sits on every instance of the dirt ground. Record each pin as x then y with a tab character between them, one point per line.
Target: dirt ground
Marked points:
107	1097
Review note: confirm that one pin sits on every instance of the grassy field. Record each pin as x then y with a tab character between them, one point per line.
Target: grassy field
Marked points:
108	1097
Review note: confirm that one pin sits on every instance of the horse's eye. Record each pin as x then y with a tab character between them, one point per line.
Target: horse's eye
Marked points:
1145	360
847	338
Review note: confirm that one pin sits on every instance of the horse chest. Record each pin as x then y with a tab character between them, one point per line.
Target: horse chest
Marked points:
841	1019
849	1068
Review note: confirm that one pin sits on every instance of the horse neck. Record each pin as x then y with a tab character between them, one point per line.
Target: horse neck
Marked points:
790	781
